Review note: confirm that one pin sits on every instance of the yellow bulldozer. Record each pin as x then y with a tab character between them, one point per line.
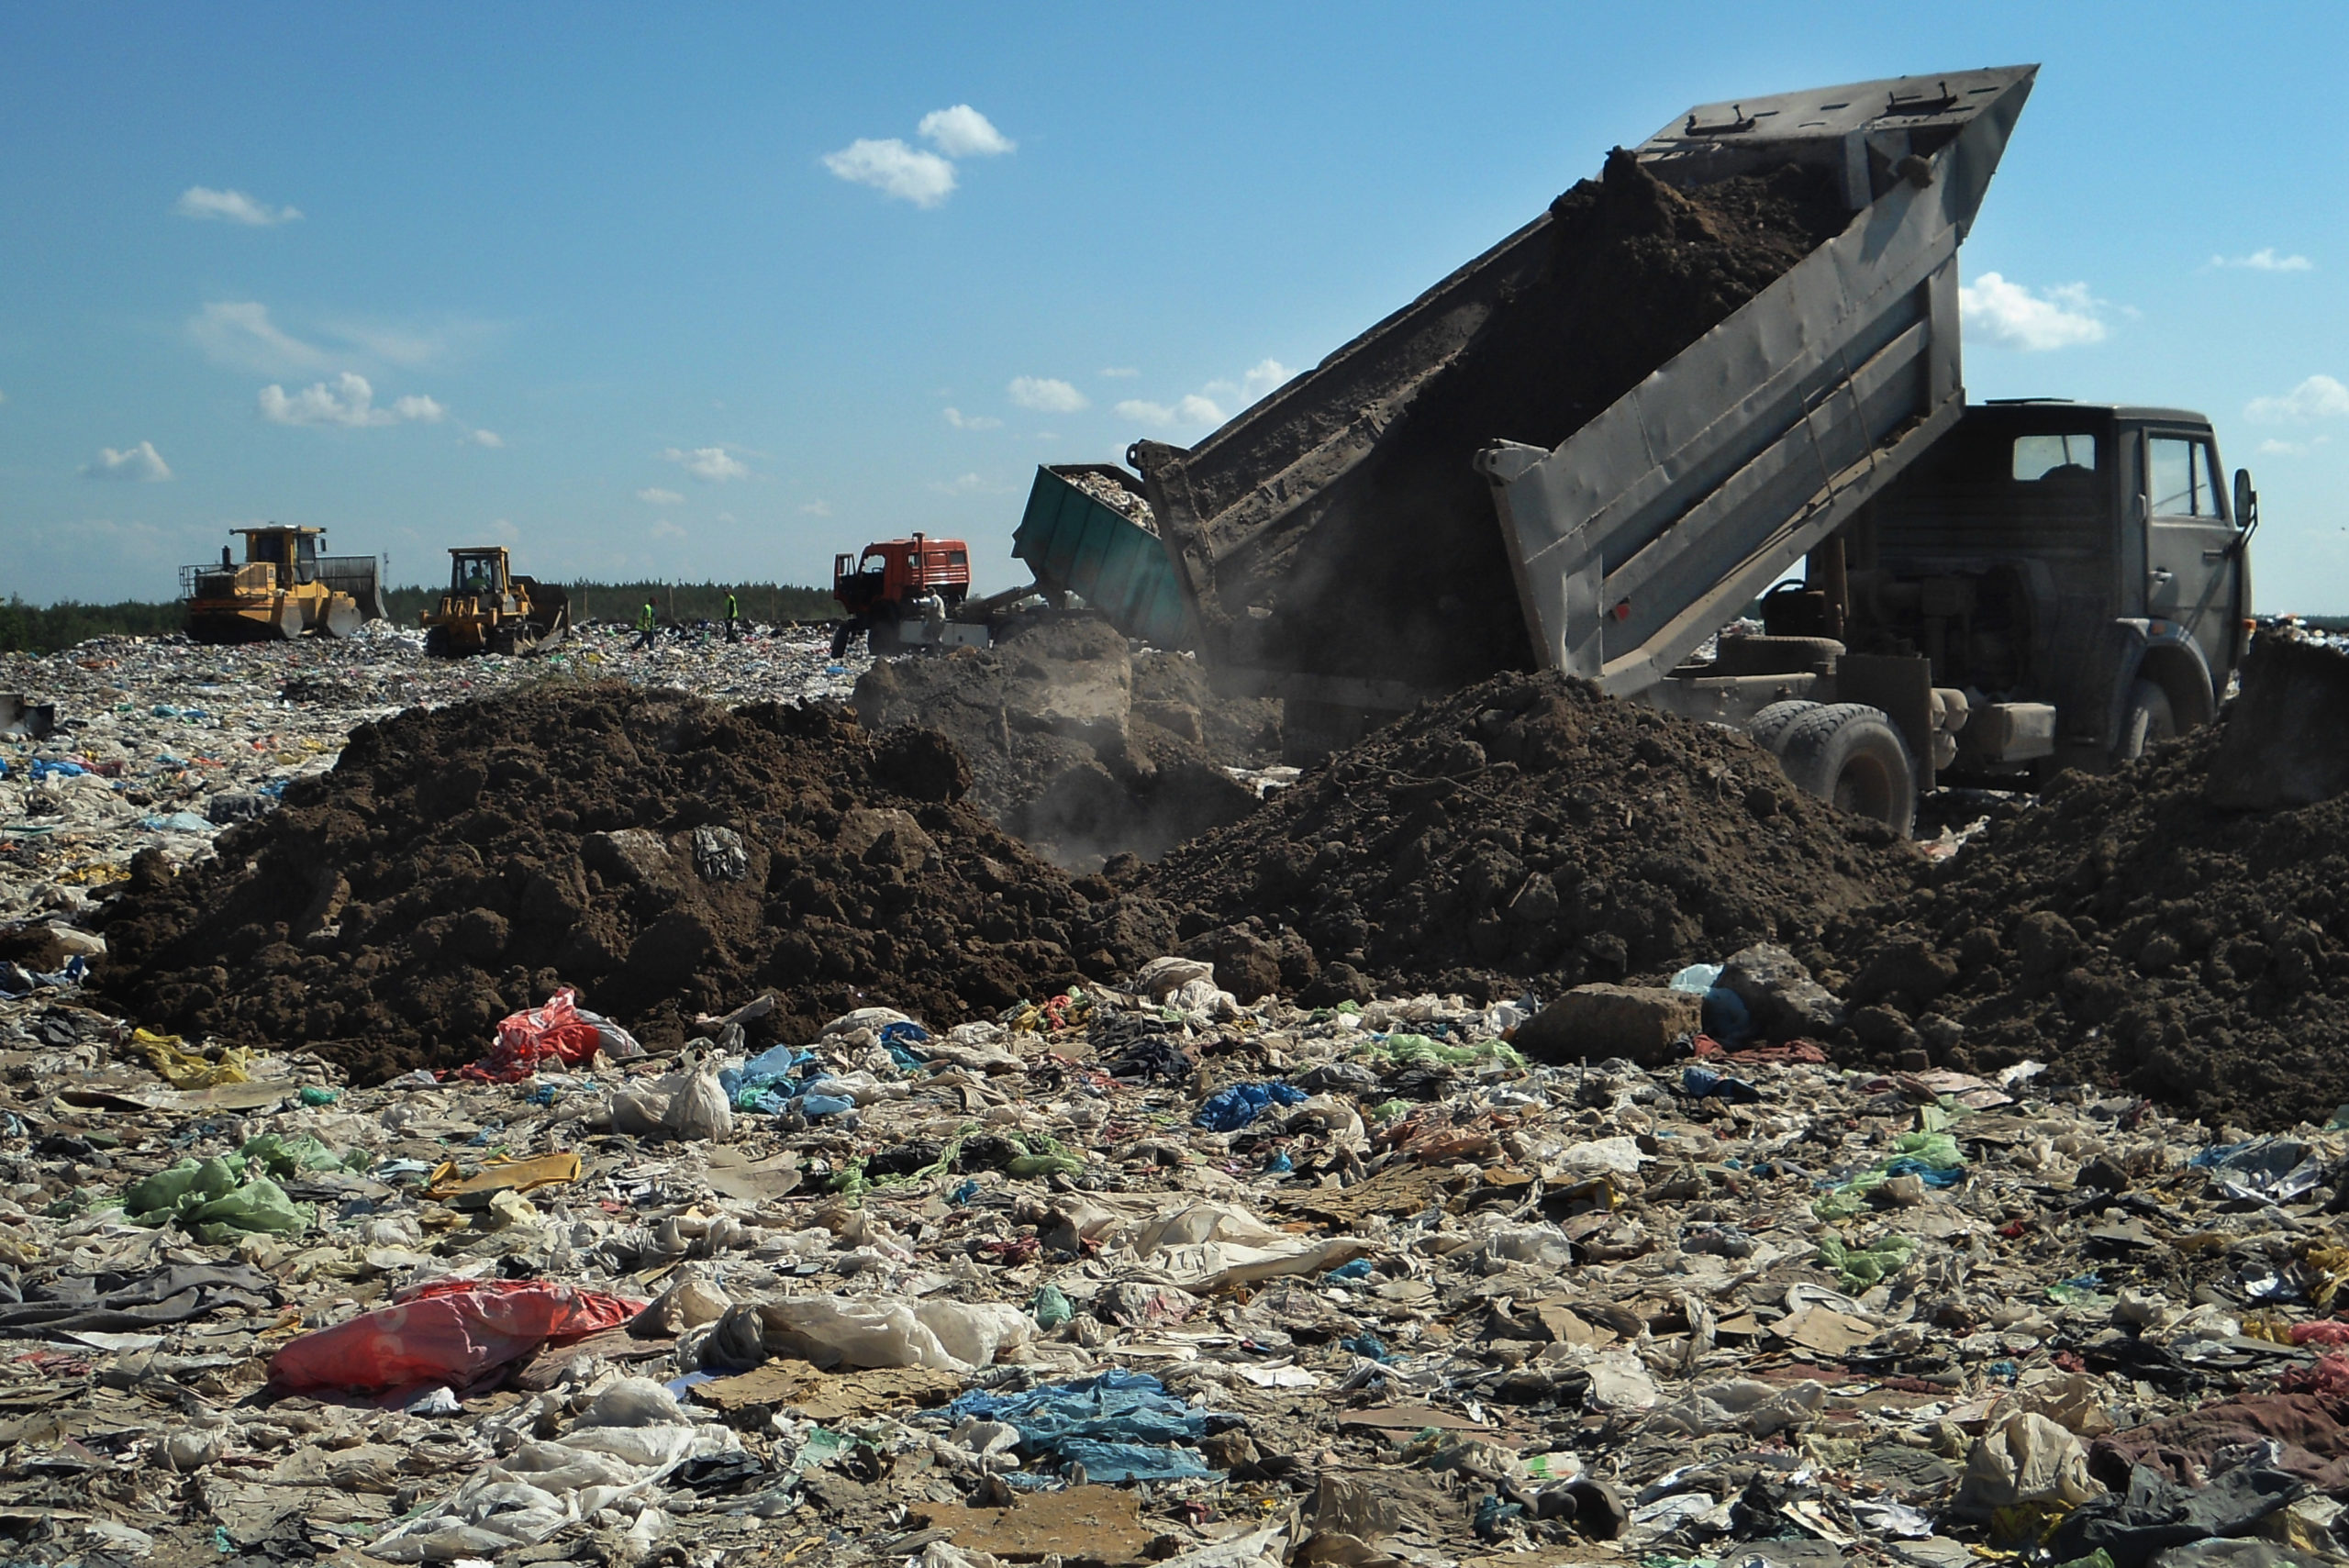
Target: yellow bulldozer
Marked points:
282	589
487	609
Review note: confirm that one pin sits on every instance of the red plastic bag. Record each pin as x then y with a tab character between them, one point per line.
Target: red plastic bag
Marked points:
2323	1331
447	1331
554	1032
2329	1375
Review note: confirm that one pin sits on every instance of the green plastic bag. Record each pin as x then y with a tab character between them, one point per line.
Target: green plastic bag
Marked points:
259	1205
1862	1267
1050	1308
214	1200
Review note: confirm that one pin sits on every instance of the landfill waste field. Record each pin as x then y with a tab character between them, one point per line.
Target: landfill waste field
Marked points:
635	1113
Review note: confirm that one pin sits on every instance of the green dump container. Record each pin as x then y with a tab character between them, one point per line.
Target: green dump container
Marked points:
1076	543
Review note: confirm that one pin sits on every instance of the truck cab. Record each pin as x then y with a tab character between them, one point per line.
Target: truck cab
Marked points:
2076	570
901	592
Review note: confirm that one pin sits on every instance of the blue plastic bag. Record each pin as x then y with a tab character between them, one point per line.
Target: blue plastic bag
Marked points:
1228	1110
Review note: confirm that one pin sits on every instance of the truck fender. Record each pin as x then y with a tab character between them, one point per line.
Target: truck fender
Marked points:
2172	659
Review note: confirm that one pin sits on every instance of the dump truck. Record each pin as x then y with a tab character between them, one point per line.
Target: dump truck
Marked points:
906	593
282	589
487	609
1491	478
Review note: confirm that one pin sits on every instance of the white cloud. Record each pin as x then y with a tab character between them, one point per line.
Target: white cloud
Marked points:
1193	412
1120	373
350	401
664	528
489	438
2264	260
1046	395
816	508
140	463
713	464
232	207
1207	408
2009	314
963	132
239	333
654	495
2318	397
894	169
2273	448
410	348
968	484
1254	381
962	421
504	531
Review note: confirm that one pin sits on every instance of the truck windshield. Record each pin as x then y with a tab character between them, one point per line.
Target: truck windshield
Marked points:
2038	456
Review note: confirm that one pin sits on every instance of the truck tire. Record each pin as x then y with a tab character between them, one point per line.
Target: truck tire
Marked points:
1848	753
1770	725
1776	655
2147	717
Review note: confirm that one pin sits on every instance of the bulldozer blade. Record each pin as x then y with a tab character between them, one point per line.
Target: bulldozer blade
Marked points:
22	720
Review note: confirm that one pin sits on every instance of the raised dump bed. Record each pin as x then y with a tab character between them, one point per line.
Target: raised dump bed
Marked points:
1338	541
1087	531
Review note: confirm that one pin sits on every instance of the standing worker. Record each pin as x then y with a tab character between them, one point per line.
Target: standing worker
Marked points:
733	611
644	624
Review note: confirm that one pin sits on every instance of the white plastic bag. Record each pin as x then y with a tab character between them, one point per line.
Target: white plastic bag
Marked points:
700	1113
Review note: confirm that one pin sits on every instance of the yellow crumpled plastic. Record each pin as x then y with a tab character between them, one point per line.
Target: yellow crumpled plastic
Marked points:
185	1070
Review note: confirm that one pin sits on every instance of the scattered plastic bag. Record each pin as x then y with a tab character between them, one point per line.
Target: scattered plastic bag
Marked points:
447	1331
552	1033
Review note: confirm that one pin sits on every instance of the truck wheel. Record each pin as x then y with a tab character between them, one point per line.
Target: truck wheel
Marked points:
1770	725
2147	719
1775	655
1849	753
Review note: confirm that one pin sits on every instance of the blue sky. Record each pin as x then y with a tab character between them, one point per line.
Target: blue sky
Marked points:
618	285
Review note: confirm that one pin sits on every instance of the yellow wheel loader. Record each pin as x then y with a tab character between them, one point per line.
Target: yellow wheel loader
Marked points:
488	610
283	588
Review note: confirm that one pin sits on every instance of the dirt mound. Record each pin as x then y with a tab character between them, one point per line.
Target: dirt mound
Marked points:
2132	935
1398	569
1530	831
1077	747
664	855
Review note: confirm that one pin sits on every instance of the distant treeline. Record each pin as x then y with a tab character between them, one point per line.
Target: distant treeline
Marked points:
45	629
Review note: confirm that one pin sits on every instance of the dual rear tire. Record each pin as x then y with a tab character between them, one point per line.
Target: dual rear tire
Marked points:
1846	753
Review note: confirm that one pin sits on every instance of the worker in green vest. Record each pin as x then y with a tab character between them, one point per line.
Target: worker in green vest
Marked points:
644	624
733	611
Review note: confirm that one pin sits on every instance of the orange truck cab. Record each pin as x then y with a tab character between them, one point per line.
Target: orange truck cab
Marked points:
903	593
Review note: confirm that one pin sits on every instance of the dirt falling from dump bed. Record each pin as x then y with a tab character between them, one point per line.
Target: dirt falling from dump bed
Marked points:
1405	575
1530	833
2131	935
664	855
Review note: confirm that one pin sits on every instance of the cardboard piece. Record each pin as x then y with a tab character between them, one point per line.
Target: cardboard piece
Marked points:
1410	1418
1090	1525
830	1396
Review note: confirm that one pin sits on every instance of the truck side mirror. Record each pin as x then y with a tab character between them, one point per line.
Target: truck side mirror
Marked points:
2246	502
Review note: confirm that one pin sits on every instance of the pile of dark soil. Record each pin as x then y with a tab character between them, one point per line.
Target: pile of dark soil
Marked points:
2132	935
1527	832
666	856
1395	568
1079	747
